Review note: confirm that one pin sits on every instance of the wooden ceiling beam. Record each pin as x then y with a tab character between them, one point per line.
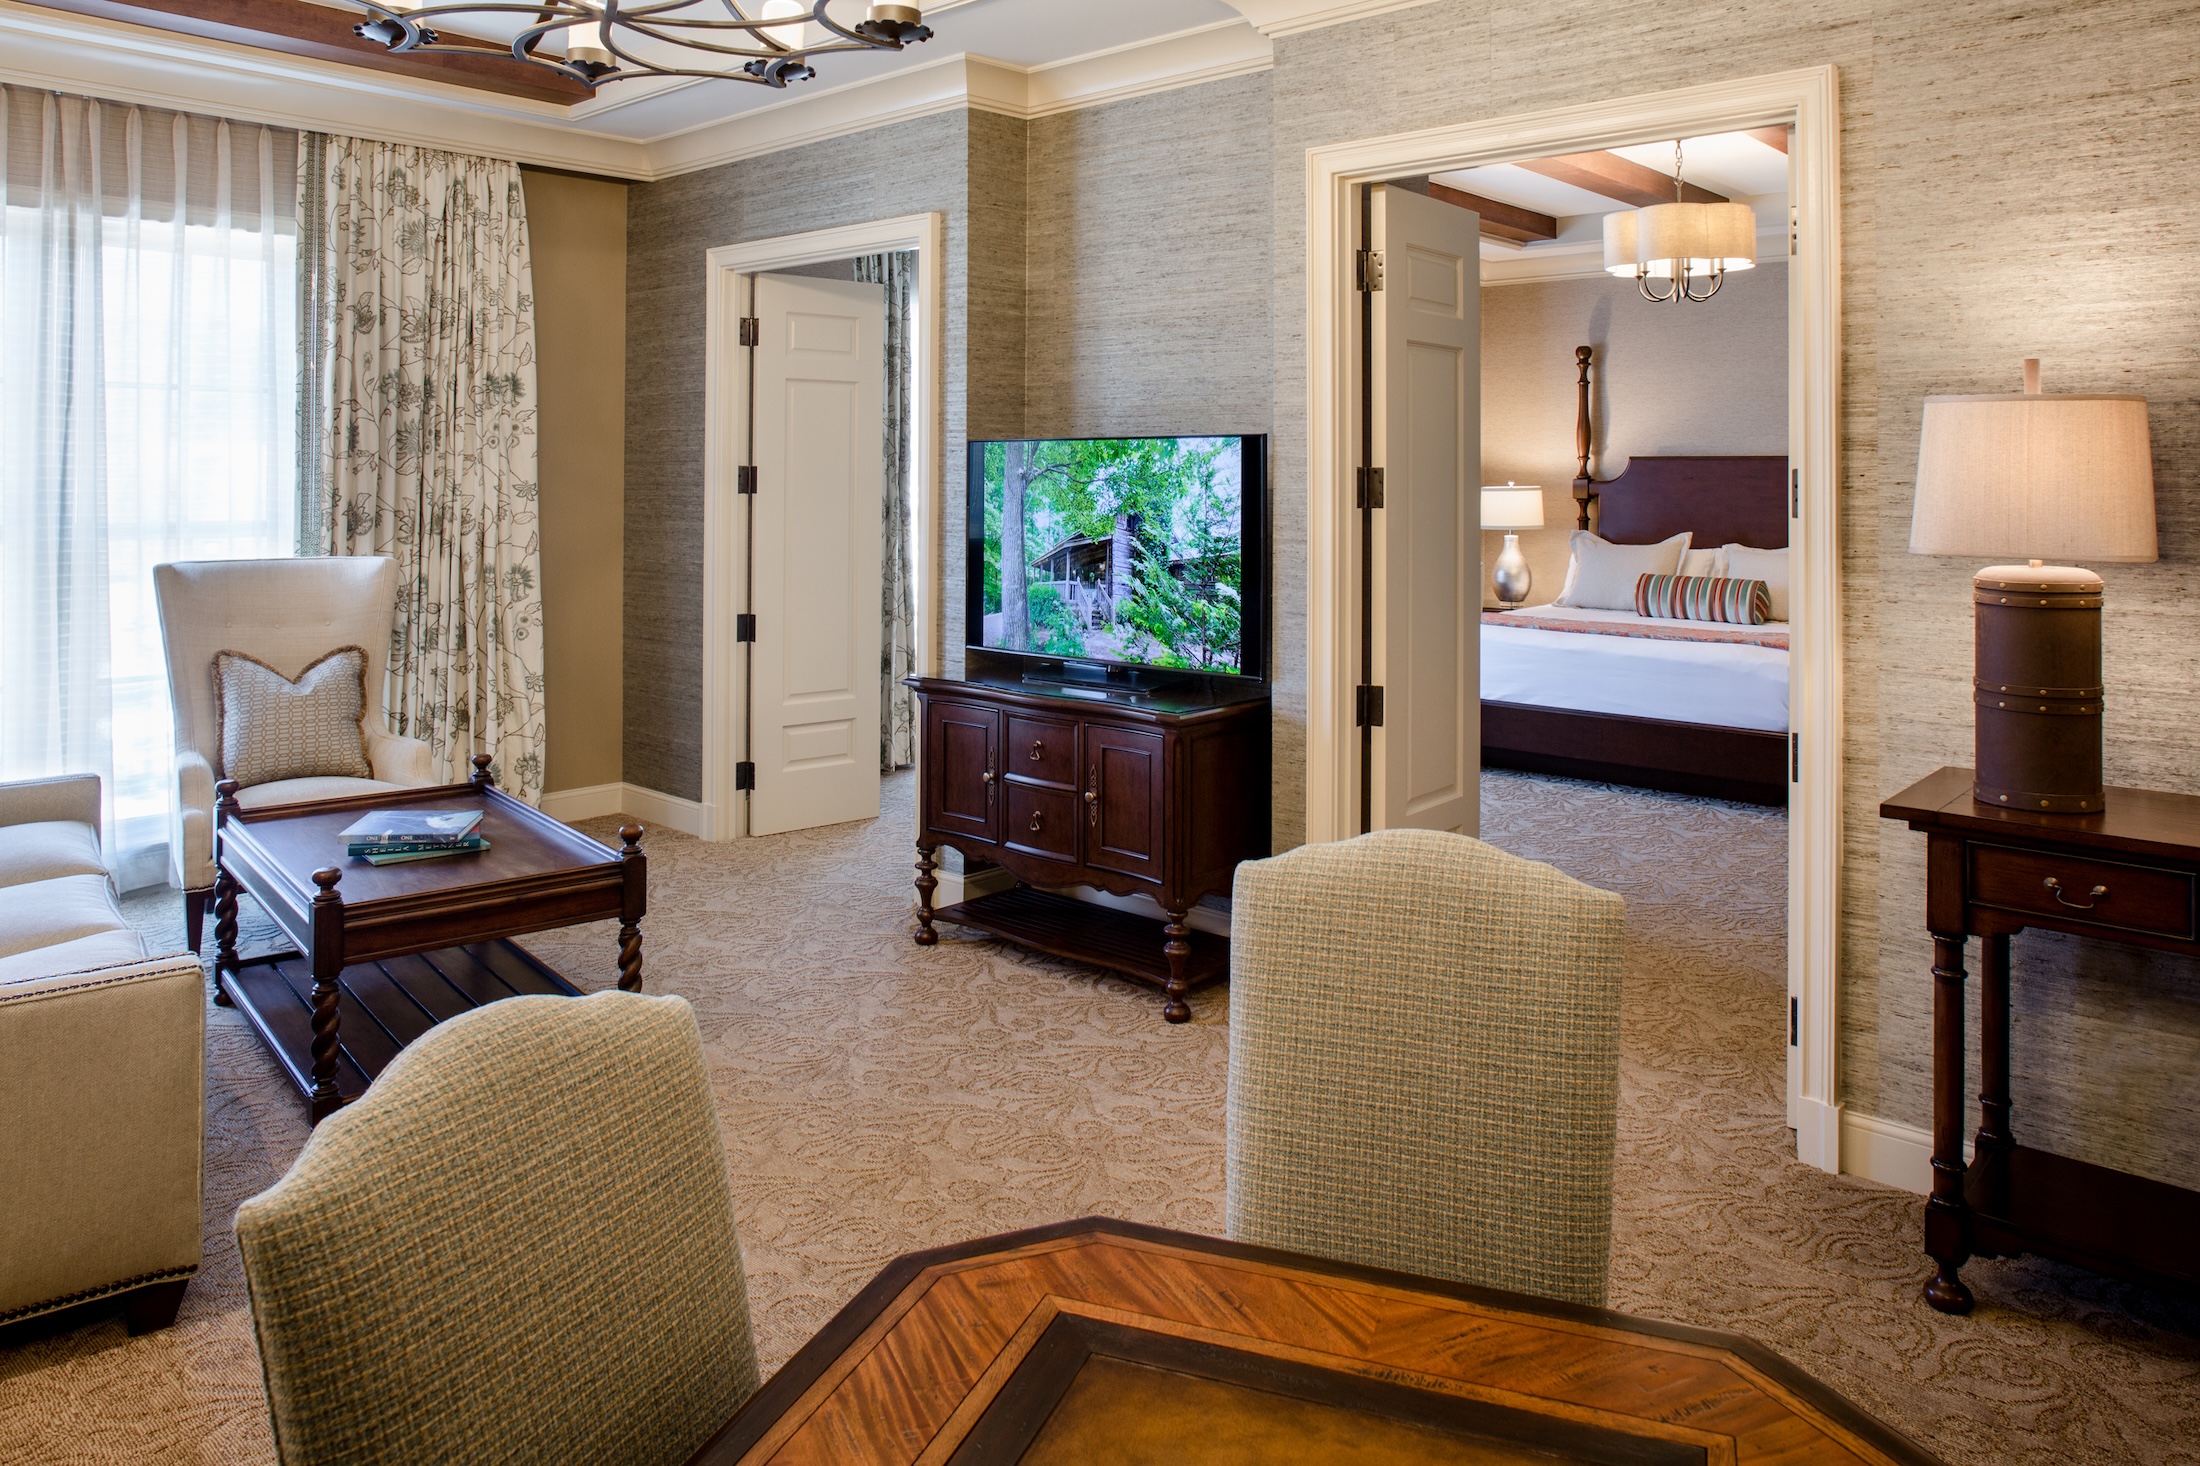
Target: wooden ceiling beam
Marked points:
1499	221
1619	178
1772	137
297	28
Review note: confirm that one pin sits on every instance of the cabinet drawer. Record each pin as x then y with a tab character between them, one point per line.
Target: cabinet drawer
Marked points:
2071	888
1042	821
1042	751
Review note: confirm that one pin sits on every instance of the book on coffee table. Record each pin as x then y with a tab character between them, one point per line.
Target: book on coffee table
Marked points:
418	829
398	854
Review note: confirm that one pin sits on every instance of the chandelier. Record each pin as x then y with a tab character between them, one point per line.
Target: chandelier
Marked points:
596	38
1680	243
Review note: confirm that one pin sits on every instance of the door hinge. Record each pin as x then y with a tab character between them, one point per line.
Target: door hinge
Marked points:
1369	273
1371	488
1795	1023
1367	711
752	331
744	627
1795	758
744	776
1795	230
1795	493
744	479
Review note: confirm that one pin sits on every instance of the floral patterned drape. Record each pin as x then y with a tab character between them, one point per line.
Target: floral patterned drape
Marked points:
420	439
897	738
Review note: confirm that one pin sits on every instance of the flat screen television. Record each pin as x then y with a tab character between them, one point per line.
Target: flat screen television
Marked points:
1122	553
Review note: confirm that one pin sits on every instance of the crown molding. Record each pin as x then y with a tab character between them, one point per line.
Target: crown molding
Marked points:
1291	17
1187	58
132	64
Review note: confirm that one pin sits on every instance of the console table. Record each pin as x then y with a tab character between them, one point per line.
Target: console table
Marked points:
1159	795
2127	874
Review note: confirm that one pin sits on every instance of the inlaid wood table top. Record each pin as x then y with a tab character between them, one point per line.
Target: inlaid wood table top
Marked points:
1100	1342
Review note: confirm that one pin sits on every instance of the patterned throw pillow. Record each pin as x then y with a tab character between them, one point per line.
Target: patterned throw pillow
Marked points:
1703	598
275	728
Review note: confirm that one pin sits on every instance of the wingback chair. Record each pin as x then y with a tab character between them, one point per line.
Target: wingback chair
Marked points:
286	613
518	1245
1424	1061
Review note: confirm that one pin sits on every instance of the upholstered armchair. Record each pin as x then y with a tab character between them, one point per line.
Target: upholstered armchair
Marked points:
285	613
517	1245
1424	1061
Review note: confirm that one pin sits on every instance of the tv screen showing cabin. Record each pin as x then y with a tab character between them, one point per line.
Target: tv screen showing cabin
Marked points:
1128	550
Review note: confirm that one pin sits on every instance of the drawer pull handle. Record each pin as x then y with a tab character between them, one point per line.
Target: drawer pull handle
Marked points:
1035	821
2096	893
1038	747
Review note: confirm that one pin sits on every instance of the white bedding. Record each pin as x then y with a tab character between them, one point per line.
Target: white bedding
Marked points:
1724	684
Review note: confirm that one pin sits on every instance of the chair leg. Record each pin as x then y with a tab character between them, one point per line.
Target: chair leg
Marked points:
153	1306
194	917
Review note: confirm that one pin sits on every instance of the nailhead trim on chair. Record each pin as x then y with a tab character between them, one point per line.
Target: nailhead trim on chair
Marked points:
92	1295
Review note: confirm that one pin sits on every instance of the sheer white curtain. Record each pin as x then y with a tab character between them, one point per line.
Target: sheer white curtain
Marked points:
148	412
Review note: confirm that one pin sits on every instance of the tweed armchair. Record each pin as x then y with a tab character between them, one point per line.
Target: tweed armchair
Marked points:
286	613
1424	1061
517	1246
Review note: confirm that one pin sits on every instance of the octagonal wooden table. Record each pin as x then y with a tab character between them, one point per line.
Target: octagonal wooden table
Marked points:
1100	1341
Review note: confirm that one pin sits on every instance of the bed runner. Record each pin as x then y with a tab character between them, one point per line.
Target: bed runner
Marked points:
1764	636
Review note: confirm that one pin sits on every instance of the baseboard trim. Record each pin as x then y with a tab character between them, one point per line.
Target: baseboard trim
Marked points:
650	806
1887	1151
956	888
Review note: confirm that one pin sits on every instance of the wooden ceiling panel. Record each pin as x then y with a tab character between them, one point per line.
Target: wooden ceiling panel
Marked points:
1499	221
1619	178
297	28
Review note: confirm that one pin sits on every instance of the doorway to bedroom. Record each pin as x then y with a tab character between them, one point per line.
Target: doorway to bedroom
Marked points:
1675	391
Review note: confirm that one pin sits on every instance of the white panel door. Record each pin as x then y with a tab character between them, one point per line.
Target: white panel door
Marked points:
1426	593
820	461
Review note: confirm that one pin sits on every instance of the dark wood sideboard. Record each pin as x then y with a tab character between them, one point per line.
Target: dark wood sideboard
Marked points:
2128	874
1161	796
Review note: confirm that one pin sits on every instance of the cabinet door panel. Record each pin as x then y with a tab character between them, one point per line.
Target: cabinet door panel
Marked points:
962	786
1124	826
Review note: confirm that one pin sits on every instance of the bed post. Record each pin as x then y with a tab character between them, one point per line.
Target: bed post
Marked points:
1584	486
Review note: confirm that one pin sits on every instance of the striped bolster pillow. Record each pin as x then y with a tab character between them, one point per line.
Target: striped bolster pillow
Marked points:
1703	598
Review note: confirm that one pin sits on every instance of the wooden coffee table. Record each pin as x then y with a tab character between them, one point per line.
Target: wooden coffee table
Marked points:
399	948
1101	1341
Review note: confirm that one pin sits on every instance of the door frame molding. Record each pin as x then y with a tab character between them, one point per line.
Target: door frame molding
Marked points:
1809	100
725	385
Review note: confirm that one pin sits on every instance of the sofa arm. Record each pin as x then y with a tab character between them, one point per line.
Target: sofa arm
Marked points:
397	760
67	797
193	848
102	1118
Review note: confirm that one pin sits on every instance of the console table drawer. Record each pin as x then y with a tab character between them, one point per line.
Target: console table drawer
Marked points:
1042	821
2069	888
1042	751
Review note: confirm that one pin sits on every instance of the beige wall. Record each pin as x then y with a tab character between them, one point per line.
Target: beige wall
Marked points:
1708	378
577	235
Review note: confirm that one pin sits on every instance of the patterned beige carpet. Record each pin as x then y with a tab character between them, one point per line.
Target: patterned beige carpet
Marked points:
878	1097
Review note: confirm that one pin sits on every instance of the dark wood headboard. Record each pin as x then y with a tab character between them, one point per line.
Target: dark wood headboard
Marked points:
1737	499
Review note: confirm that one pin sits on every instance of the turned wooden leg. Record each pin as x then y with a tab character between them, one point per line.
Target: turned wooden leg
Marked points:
927	883
225	932
194	918
153	1306
328	968
635	868
1947	1214
1177	948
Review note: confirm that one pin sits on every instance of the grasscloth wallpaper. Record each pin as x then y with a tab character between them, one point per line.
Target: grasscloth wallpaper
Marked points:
2015	182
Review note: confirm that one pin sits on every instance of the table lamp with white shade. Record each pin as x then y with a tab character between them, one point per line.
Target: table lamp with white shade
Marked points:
2038	477
1513	507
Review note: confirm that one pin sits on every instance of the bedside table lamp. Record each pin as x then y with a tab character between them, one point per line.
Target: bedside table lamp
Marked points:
1513	507
2036	476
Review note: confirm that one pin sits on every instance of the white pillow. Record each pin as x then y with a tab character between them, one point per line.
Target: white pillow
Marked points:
1699	563
1601	575
1769	566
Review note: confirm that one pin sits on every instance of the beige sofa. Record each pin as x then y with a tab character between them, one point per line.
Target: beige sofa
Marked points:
102	1076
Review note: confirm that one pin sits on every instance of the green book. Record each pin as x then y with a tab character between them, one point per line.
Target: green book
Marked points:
481	843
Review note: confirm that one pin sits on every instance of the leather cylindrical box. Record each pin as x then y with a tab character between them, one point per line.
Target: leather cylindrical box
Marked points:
2036	688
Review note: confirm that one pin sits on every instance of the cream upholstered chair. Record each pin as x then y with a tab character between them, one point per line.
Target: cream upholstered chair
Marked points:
286	613
518	1245
1424	1061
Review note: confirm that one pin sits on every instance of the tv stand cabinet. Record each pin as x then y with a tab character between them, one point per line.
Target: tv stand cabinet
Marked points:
1158	795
